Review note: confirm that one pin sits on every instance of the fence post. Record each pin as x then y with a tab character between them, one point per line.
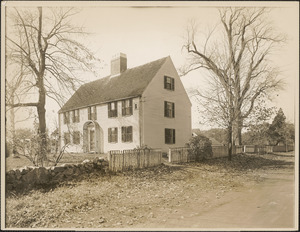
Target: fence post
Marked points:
170	154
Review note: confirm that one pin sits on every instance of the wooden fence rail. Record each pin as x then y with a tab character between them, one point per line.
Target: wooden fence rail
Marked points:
263	149
134	159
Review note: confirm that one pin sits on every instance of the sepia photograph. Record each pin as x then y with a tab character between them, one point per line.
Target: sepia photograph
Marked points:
150	115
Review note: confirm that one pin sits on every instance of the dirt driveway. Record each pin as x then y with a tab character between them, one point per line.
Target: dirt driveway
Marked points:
269	204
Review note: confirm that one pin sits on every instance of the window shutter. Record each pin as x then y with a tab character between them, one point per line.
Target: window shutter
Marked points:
73	116
173	136
173	110
78	116
116	109
166	135
109	110
116	135
130	106
165	82
173	84
166	109
123	134
89	113
109	135
123	107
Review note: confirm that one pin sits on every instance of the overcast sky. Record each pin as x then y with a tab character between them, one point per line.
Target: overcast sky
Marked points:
147	34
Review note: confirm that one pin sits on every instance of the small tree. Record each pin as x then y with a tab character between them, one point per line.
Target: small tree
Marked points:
277	131
200	147
257	134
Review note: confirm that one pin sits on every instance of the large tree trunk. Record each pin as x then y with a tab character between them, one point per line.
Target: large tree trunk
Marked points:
237	130
42	127
240	127
230	141
42	96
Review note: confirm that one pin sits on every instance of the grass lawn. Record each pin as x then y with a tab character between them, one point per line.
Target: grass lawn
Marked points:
68	158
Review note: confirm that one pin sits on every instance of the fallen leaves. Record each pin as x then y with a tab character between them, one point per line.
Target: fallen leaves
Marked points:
126	199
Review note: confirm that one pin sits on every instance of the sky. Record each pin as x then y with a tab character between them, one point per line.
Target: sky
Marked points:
148	33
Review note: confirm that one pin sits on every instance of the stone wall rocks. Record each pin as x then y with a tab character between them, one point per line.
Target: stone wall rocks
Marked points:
26	178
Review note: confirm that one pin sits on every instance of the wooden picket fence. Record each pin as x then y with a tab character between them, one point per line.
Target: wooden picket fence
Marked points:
264	149
283	148
134	159
182	154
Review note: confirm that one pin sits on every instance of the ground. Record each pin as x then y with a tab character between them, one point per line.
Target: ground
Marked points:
20	161
252	191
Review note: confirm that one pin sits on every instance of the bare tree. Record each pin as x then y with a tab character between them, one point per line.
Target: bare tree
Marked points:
236	54
49	55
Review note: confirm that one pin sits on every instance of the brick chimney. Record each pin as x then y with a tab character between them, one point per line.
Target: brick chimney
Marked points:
118	64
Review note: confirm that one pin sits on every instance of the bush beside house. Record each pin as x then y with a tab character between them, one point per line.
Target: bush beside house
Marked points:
200	147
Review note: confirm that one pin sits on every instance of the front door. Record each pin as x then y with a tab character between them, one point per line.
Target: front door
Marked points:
92	140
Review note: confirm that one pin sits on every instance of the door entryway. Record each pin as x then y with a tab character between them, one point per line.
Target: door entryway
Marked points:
92	137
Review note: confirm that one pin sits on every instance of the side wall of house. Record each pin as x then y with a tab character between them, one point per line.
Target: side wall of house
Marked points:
154	122
104	123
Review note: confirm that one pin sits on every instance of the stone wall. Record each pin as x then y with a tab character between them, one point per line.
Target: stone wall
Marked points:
20	180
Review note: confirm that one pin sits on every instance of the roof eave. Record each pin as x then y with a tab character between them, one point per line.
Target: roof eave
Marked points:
99	103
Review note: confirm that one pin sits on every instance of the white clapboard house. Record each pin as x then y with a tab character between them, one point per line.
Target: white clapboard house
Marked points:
144	105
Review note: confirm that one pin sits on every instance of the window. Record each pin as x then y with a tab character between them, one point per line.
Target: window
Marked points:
169	109
169	136
92	113
76	137
127	107
169	83
127	134
112	109
66	117
67	138
113	135
75	115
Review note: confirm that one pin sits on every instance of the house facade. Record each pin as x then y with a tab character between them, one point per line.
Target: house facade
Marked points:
145	105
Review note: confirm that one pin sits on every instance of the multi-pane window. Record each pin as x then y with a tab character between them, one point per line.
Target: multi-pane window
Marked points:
169	83
170	136
66	117
76	137
92	113
127	134
127	107
112	109
113	135
75	115
67	138
169	109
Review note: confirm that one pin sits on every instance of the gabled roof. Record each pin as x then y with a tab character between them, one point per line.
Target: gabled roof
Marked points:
130	83
214	142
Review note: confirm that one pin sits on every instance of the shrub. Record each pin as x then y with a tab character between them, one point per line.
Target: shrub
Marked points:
200	147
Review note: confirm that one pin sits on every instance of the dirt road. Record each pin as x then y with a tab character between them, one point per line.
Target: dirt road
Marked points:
269	204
